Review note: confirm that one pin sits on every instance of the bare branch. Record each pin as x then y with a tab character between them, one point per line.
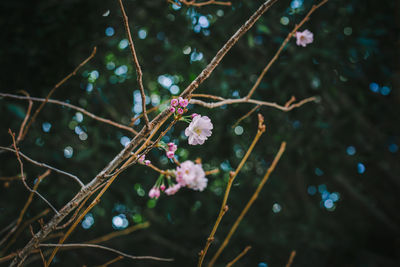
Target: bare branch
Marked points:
249	203
23	175
290	261
232	176
137	65
44	165
65	104
200	4
238	257
106	248
54	89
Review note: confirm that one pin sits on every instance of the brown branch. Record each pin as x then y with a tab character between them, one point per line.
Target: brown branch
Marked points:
245	116
265	70
44	165
23	175
137	65
249	203
200	4
238	257
252	101
65	104
111	261
11	178
54	89
232	176
79	245
28	114
115	234
22	213
214	171
290	261
126	151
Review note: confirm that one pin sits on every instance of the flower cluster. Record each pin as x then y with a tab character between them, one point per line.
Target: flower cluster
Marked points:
143	160
304	38
178	105
188	174
171	150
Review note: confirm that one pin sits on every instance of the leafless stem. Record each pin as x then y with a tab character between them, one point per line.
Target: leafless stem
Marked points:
44	165
79	245
200	4
290	261
137	65
23	175
248	205
238	257
245	116
65	104
232	176
54	89
28	113
265	70
111	261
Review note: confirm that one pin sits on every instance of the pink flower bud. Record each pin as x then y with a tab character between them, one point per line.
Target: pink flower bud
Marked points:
173	189
180	111
147	162
154	193
183	102
194	115
141	159
180	99
172	109
162	187
174	102
170	154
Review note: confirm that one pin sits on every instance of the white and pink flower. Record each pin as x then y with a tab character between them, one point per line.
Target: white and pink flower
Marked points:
304	38
191	175
199	130
154	192
173	189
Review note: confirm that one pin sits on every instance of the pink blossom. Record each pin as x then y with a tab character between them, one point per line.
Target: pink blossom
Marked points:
183	102
170	154
154	193
172	147
172	109
173	189
141	159
162	187
191	175
174	102
147	162
194	115
180	111
199	130
304	38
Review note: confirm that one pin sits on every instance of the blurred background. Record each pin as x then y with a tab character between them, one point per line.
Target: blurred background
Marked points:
333	195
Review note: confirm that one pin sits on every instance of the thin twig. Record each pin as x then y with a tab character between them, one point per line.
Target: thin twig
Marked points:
115	234
232	176
137	65
245	116
111	261
23	176
44	165
28	114
65	104
11	178
238	257
265	70
200	4
54	89
214	171
252	101
79	245
290	261
249	203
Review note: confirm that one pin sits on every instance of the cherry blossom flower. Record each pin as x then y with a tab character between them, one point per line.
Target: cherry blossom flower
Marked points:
170	154
191	175
154	193
147	162
180	111
141	159
172	109
199	130
194	115
174	102
183	102
172	147
173	189
304	38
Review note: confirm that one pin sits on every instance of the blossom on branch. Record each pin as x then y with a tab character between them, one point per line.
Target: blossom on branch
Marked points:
304	38
199	130
191	175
